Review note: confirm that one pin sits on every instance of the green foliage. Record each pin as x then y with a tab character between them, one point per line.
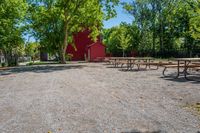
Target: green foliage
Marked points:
194	21
122	39
53	23
12	14
40	63
33	50
166	26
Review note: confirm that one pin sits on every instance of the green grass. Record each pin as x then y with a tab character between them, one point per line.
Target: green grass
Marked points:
41	63
194	107
197	107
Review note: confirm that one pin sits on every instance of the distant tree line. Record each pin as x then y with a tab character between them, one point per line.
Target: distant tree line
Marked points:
160	28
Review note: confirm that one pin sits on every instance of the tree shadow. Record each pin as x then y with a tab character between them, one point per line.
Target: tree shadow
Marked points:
130	70
107	64
39	69
137	131
191	79
125	69
192	76
136	70
159	131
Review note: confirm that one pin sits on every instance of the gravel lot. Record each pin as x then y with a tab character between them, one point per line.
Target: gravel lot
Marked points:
93	97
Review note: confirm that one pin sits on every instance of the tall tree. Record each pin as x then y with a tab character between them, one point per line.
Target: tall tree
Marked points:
194	21
121	40
12	14
164	22
58	20
32	50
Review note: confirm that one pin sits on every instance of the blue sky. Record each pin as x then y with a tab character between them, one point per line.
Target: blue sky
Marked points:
122	16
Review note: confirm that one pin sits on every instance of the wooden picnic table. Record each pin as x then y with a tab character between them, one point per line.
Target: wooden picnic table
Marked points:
184	63
130	60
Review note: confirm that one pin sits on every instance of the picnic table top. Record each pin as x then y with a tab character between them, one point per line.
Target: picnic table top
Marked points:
131	58
186	59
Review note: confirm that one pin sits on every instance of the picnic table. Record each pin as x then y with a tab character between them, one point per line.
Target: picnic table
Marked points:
184	63
131	61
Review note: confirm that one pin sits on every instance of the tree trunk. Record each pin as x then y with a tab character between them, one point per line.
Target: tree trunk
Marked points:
62	55
11	57
161	38
12	60
161	33
188	40
154	29
64	46
154	42
16	59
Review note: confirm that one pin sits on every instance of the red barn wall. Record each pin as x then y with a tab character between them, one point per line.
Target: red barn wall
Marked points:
97	50
83	43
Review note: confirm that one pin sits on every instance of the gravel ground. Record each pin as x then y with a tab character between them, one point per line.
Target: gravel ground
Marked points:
93	97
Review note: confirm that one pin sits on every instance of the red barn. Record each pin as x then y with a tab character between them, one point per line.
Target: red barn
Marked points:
86	49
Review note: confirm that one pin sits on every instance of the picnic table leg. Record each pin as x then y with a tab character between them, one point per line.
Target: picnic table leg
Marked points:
131	65
157	66
146	61
185	69
138	65
115	62
164	71
128	64
178	70
146	66
122	65
149	63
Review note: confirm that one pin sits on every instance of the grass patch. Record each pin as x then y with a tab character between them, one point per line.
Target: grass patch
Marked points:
194	107
46	63
197	107
41	63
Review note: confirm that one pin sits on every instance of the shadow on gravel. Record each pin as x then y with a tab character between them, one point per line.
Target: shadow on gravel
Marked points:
124	68
109	65
137	131
39	69
191	79
132	70
135	70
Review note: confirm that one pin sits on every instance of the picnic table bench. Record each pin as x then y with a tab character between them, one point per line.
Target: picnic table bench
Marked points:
185	64
130	62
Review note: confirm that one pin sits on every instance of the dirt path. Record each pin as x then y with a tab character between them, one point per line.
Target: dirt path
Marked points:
93	98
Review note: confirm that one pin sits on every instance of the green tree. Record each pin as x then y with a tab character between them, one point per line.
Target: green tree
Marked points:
163	23
12	14
141	11
124	40
33	50
194	21
55	21
121	40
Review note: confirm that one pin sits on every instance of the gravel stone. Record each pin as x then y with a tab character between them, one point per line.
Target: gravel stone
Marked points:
95	98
